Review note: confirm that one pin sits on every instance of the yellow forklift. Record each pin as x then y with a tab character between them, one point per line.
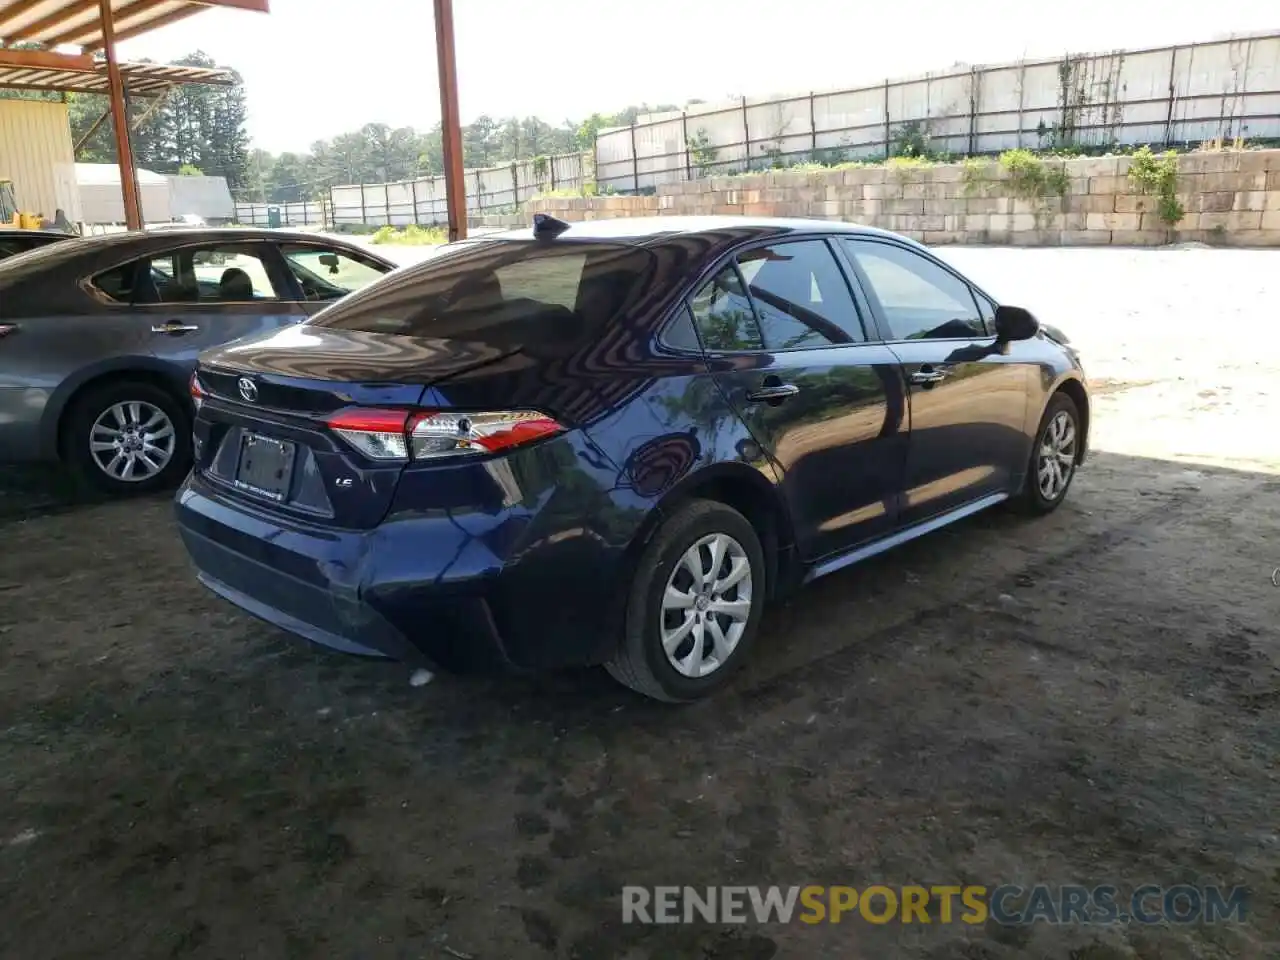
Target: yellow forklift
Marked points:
11	218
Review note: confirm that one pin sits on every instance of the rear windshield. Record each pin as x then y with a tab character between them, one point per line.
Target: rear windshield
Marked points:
507	293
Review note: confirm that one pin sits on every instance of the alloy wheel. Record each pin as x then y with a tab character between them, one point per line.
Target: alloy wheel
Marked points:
1057	459
132	441
706	606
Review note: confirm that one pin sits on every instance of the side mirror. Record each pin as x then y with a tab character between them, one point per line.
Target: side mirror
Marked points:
1015	323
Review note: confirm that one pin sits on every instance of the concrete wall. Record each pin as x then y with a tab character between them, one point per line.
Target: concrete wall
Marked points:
36	153
1179	94
1230	198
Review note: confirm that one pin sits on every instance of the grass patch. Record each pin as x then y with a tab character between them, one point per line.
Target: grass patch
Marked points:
410	236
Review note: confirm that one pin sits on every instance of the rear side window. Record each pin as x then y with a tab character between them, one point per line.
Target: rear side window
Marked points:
504	293
724	316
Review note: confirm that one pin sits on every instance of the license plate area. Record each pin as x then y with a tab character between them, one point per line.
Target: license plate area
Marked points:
265	466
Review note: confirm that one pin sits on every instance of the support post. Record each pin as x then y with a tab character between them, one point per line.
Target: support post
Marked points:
451	124
120	121
973	111
813	129
413	189
88	134
688	160
1168	118
635	161
746	136
886	120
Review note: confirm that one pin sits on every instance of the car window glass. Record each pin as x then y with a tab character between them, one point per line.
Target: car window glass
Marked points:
328	274
680	332
801	296
545	299
988	311
215	274
8	248
724	316
920	299
554	281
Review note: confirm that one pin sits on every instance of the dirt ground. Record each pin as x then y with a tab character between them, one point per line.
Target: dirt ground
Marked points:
1088	698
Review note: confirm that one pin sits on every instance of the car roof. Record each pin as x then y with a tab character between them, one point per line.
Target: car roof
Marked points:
646	230
41	234
105	241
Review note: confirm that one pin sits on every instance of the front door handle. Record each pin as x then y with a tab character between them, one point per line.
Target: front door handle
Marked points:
173	328
928	375
773	393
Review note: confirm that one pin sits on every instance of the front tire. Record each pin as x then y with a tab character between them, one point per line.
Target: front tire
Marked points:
1054	457
694	605
127	437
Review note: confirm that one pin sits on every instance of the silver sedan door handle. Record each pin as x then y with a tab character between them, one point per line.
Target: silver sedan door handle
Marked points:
773	393
928	374
174	328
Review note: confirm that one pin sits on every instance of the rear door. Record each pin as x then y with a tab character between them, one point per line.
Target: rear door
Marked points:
785	338
199	296
968	397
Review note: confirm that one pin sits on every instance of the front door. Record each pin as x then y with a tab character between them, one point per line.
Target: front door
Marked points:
968	396
785	339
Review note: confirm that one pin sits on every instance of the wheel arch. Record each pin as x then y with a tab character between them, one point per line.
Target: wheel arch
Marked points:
1074	388
745	489
143	369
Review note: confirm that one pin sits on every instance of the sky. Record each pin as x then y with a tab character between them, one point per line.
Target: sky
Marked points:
316	68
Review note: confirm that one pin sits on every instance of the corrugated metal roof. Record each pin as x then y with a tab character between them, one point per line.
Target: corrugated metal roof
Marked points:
140	79
76	22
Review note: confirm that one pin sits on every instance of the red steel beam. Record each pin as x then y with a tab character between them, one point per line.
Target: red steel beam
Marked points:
45	60
455	187
120	121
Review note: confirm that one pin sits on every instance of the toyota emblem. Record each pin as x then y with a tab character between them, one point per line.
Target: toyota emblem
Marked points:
248	390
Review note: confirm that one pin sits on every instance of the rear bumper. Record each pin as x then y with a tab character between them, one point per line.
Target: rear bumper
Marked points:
463	591
336	589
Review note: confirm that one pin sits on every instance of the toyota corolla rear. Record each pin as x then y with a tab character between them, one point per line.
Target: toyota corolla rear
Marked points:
401	476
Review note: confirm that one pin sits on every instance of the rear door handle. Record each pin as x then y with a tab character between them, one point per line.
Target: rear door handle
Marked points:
773	393
928	374
174	328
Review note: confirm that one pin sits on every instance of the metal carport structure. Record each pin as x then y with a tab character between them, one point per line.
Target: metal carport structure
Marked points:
42	27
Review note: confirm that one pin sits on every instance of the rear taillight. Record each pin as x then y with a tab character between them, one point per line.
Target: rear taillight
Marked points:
197	391
378	434
447	434
389	435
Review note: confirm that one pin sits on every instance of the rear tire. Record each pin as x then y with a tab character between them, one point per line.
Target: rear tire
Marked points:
694	605
127	437
1055	454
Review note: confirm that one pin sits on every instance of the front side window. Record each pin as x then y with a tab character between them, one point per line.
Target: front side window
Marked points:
326	274
215	274
800	295
919	299
723	314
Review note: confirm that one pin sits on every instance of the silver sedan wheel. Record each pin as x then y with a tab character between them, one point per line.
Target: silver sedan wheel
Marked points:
1057	460
132	441
706	606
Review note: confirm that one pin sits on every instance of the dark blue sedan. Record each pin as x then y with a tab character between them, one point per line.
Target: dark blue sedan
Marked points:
611	443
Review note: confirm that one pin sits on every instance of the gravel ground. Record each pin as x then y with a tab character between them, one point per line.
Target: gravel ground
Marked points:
1088	698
